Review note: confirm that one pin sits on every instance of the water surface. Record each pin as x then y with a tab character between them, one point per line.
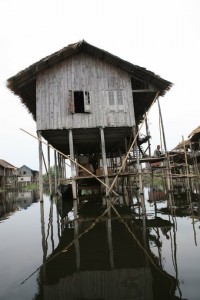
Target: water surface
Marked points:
44	256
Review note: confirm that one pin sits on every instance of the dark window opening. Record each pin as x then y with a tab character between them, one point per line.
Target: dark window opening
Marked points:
79	102
24	172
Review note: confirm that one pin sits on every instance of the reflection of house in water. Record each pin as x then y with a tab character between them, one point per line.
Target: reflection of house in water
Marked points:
104	263
26	198
14	201
156	195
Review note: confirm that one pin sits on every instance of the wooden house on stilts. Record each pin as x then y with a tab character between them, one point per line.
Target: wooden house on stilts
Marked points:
88	104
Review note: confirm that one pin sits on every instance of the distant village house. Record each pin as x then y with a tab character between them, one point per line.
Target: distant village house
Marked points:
11	175
7	172
25	174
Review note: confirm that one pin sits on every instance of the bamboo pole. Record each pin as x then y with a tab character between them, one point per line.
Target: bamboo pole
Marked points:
186	163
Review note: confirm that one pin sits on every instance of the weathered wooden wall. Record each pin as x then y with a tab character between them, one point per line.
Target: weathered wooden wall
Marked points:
83	73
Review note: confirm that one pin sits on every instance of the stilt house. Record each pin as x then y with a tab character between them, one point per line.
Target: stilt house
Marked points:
8	172
87	102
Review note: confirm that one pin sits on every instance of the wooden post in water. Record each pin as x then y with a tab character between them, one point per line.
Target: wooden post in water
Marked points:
141	191
40	166
49	169
56	170
103	151
186	166
73	172
169	188
147	133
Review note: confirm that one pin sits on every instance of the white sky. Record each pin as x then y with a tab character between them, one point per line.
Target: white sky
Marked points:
162	36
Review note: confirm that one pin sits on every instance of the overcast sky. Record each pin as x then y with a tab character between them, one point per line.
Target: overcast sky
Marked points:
162	36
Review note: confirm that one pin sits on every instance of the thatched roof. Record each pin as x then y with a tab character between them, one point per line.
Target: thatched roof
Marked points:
181	145
6	165
23	84
194	132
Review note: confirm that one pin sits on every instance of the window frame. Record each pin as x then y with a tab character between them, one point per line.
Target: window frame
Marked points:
116	100
86	101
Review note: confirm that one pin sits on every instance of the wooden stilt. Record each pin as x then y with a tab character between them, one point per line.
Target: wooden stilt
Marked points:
49	169
103	151
73	172
147	133
168	171
56	170
141	191
40	167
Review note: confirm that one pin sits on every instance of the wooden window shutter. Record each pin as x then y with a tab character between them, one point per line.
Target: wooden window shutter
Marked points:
120	102
70	102
87	104
111	100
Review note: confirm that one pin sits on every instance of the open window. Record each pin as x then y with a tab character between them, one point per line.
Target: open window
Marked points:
79	102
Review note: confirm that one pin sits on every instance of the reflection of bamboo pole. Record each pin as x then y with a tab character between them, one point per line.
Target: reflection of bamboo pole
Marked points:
43	230
159	247
110	244
175	257
51	224
58	221
77	247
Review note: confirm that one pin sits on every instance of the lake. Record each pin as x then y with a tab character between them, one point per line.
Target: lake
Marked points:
46	254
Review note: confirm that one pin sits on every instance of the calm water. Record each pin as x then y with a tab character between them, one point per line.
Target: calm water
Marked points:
157	257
